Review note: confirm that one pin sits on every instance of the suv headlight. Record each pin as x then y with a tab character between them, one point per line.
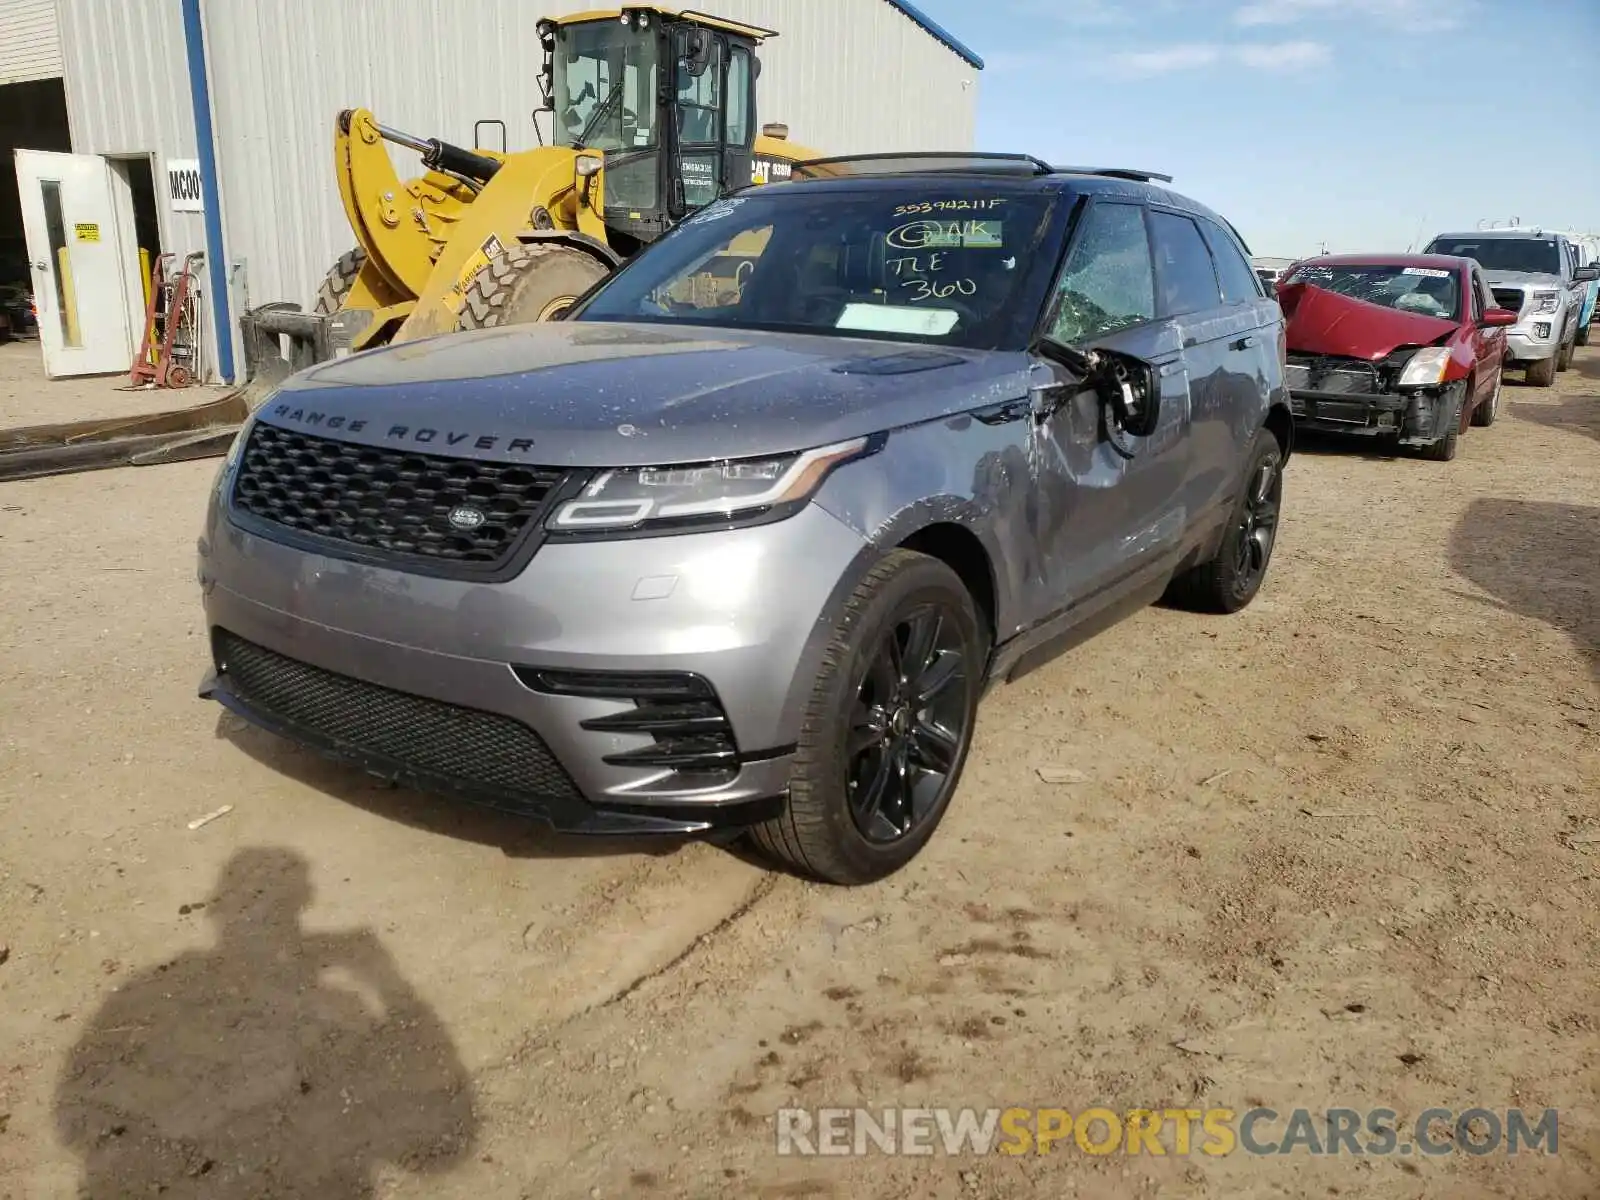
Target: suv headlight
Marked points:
1426	367
1545	302
734	489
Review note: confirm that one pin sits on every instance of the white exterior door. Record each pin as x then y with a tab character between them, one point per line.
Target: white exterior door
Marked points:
76	261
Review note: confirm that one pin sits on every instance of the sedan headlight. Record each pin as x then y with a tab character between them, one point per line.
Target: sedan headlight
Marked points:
654	497
1426	368
1545	302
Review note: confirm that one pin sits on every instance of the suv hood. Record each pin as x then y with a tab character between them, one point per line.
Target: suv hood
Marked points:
1526	278
1324	322
602	394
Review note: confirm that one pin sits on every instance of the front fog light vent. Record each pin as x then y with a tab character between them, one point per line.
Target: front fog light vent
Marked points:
678	711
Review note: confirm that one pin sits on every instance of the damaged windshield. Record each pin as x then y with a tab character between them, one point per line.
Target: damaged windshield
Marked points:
1537	256
953	264
1429	291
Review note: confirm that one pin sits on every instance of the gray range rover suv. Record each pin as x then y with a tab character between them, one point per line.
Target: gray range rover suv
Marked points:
739	543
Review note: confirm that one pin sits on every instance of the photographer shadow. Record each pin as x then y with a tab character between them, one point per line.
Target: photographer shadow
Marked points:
280	1061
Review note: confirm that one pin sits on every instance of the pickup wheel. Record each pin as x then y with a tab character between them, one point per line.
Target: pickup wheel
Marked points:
1484	415
526	284
1543	372
1564	354
1583	335
886	732
336	284
1233	576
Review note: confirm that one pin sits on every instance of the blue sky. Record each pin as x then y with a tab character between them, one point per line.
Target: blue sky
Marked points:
1350	122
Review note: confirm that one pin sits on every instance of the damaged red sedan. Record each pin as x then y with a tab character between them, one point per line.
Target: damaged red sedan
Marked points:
1405	347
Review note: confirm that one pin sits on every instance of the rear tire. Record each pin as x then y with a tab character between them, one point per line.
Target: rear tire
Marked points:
527	284
1564	354
1235	573
1583	335
1543	372
336	285
1483	416
886	732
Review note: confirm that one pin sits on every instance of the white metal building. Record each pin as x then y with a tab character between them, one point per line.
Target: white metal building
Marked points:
149	83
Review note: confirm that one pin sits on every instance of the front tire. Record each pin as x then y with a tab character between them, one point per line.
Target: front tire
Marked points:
1564	352
1483	416
1583	335
527	284
888	726
336	285
1543	372
1231	578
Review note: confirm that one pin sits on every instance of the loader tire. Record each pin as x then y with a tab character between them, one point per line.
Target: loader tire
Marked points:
336	284
526	284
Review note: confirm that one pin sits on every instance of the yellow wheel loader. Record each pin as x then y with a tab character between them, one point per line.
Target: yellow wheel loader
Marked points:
653	115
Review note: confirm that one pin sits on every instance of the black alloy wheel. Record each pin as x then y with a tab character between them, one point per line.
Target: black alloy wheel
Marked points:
887	726
908	724
1258	523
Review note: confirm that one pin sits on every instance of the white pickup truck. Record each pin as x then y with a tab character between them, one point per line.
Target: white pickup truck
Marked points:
1536	274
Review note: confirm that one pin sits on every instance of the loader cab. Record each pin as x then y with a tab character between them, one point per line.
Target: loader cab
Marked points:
667	99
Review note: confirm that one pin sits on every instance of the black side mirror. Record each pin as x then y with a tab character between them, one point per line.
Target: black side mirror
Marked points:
695	50
1586	274
1126	385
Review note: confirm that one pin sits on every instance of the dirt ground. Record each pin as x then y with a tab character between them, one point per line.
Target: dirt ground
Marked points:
1343	847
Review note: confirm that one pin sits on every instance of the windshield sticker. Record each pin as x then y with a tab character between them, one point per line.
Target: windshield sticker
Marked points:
947	235
884	318
1430	272
928	206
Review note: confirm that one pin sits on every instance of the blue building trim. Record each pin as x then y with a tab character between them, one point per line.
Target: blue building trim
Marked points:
216	255
937	30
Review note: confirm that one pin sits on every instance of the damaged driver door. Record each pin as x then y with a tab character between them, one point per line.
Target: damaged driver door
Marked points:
1110	478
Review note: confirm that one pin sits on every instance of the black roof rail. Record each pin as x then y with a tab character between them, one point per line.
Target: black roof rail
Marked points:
910	162
1117	173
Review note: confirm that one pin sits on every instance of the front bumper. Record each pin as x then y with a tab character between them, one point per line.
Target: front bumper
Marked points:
1523	345
527	695
1415	418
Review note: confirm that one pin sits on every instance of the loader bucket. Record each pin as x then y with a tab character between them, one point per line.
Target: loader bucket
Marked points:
199	431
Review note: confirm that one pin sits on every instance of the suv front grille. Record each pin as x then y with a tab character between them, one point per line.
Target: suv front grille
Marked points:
1508	297
456	745
396	503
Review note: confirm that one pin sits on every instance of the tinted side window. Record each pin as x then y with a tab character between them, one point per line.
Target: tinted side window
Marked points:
1477	296
1109	283
1188	281
1239	281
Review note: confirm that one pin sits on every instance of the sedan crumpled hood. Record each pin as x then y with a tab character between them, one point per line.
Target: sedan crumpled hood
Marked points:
1324	322
575	393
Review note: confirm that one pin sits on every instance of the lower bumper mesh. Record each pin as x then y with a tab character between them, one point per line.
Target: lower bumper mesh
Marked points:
459	745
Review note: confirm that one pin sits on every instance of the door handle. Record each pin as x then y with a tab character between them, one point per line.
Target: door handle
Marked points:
1170	369
1247	342
39	266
